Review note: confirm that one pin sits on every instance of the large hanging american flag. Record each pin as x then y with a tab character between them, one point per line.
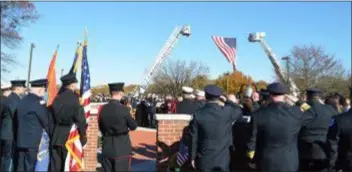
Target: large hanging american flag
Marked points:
228	47
74	160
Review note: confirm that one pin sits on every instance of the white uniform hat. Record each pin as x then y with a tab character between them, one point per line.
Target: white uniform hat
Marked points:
187	90
193	96
5	86
200	93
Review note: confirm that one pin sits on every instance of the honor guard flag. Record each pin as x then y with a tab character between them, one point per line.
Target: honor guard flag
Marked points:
75	155
52	88
77	59
228	47
43	156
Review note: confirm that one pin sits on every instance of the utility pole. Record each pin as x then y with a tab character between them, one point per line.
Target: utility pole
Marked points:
62	72
30	64
287	59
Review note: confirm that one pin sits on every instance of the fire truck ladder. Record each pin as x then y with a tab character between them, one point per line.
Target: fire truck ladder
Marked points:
259	37
184	30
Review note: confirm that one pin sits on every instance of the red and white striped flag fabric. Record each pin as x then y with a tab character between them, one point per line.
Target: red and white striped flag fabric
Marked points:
228	47
75	156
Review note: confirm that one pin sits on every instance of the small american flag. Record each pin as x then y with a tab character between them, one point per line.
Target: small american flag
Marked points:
182	154
74	160
228	47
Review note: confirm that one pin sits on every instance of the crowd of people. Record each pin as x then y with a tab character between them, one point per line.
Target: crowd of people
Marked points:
257	131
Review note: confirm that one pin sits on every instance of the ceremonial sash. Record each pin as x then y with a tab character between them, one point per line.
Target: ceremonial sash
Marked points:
43	156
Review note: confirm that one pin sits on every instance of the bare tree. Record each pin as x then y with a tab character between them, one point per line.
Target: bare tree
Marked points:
310	66
176	74
14	15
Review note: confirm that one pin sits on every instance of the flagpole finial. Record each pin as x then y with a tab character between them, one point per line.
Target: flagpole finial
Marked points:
57	46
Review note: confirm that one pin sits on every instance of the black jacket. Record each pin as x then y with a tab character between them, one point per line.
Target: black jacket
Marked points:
67	111
115	122
210	132
32	118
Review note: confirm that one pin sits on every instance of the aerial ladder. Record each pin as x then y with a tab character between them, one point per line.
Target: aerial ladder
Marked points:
259	37
165	51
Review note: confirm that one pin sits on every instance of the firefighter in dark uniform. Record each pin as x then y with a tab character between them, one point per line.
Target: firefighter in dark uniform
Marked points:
340	141
187	105
312	139
275	130
200	98
115	122
242	129
32	118
66	110
5	92
8	126
210	131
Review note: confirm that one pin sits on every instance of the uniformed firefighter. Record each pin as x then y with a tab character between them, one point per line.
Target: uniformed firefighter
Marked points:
115	122
210	131
5	92
142	114
312	140
340	141
8	126
200	98
32	118
187	105
275	130
67	111
242	131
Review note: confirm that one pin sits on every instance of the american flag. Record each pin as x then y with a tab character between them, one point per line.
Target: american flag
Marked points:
228	47
182	154
74	160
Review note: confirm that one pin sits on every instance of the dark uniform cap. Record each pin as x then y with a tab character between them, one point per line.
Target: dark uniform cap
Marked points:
313	92
18	83
39	83
212	90
116	86
277	88
68	79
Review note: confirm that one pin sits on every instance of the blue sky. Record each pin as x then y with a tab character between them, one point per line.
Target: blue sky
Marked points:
125	37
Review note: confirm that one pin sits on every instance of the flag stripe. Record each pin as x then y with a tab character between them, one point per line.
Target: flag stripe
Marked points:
228	48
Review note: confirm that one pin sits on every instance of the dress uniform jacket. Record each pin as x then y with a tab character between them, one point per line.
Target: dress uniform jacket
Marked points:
7	128
274	136
340	141
210	131
312	140
187	106
66	111
8	131
32	117
114	123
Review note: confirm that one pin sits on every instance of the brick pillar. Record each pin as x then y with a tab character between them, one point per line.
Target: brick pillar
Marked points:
169	131
90	152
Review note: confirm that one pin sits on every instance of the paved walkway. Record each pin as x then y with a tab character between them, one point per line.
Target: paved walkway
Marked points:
144	150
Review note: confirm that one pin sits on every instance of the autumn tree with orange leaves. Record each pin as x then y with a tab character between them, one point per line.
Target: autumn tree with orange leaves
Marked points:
231	82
